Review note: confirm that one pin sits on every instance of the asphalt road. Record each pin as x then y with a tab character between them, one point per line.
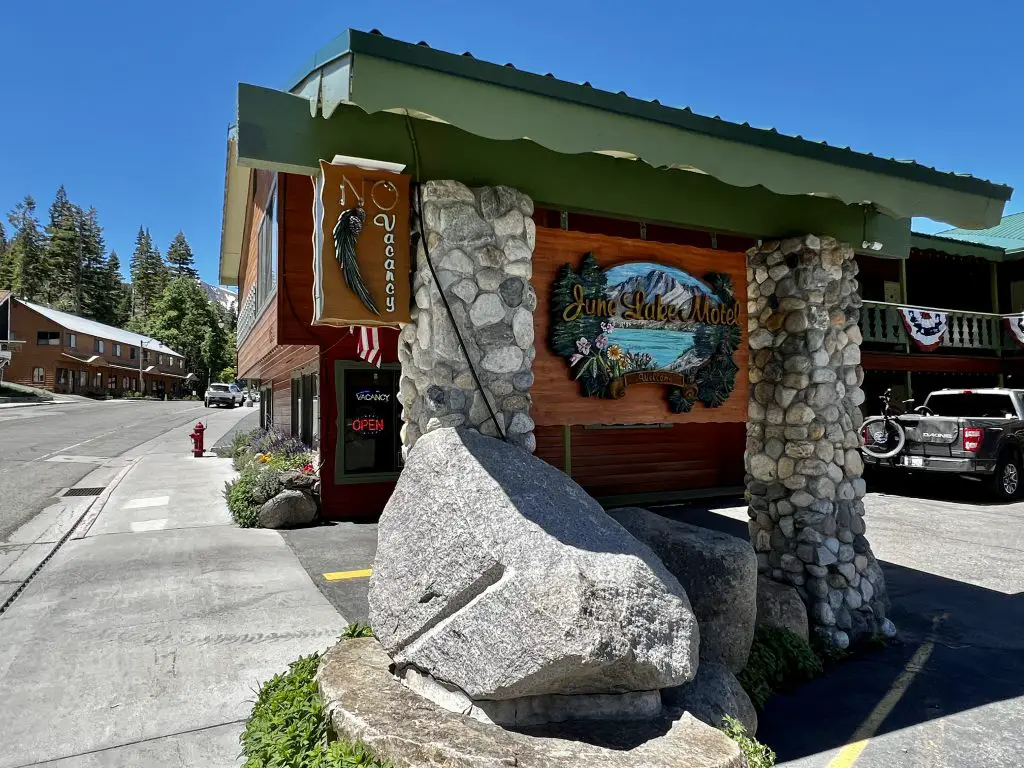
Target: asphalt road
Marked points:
45	448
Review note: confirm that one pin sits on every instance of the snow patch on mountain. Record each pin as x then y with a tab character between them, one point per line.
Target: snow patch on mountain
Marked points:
223	296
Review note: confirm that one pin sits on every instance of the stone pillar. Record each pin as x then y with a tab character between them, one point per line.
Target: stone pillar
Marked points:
803	462
481	246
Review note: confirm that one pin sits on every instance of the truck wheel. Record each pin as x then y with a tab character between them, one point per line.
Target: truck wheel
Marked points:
1006	481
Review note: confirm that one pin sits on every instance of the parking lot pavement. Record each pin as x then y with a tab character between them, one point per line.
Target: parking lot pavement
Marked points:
955	678
337	557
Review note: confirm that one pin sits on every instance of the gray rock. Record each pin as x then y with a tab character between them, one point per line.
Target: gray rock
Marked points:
522	327
719	574
779	605
295	480
487	309
511	291
366	703
515	555
503	360
288	509
711	695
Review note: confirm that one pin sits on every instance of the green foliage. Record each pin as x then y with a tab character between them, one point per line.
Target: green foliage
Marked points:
355	629
149	276
180	262
565	333
829	653
186	320
253	487
288	726
757	755
227	375
26	254
778	661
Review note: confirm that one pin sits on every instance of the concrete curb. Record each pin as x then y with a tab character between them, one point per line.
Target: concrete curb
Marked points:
36	555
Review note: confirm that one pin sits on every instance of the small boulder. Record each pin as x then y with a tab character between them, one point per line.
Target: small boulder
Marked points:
495	573
780	605
294	480
719	574
711	695
289	509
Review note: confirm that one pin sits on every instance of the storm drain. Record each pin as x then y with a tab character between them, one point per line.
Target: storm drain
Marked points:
84	491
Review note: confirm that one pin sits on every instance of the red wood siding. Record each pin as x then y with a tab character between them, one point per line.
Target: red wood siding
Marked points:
683	457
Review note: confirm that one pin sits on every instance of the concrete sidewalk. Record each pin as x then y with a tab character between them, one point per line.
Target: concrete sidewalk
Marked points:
141	642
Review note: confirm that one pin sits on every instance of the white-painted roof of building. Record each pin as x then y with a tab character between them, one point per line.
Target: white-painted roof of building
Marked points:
92	328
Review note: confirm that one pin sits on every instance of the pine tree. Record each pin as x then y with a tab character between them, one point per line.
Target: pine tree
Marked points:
6	268
179	258
64	253
27	252
92	266
184	319
110	305
149	276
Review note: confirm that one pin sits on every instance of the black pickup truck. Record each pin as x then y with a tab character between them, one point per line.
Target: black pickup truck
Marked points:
976	433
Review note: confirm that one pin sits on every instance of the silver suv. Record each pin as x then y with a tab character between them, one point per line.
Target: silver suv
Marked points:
223	394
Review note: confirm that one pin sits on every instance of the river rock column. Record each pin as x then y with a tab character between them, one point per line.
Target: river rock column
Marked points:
481	246
803	462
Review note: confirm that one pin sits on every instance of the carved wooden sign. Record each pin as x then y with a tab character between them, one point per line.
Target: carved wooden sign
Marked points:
361	260
647	323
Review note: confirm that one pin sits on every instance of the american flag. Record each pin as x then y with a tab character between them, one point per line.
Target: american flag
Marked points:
368	346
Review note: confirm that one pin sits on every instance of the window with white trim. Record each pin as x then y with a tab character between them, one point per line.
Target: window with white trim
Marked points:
48	338
38	375
117	350
266	276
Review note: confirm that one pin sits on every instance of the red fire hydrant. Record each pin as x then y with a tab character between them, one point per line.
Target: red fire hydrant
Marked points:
197	440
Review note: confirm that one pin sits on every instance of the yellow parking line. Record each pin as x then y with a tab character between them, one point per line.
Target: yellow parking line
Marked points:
342	575
848	755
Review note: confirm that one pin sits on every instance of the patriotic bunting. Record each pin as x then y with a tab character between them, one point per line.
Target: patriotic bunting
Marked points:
368	345
1016	326
926	328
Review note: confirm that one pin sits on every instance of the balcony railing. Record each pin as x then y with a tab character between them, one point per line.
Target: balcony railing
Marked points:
246	315
880	322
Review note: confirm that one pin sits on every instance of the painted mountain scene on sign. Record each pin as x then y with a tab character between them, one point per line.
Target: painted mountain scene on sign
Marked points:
673	345
646	323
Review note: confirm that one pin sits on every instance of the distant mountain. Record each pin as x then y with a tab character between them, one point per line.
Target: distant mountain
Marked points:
656	283
223	296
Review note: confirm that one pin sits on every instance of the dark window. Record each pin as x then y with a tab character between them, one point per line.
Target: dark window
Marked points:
370	422
133	353
266	278
97	346
72	340
48	338
117	350
972	405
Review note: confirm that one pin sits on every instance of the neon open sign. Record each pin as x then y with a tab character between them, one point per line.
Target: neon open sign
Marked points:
368	426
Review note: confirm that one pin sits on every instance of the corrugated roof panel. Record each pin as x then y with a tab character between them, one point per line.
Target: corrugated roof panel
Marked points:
92	328
1007	234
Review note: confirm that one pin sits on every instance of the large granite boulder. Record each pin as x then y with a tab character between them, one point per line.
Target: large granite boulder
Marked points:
288	509
719	574
711	695
780	605
498	575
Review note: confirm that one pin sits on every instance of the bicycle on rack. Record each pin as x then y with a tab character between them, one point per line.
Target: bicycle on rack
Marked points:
884	436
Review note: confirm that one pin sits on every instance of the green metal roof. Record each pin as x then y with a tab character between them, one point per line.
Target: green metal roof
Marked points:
1008	234
509	124
924	242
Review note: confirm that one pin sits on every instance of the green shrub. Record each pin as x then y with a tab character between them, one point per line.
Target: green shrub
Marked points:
249	491
758	755
355	629
778	661
289	727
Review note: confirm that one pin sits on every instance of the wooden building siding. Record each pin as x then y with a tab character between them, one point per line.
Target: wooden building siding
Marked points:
556	396
26	323
263	336
677	458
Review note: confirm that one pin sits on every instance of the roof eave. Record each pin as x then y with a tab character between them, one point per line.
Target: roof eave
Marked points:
236	192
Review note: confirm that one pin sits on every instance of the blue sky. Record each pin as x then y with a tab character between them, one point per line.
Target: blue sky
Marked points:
128	103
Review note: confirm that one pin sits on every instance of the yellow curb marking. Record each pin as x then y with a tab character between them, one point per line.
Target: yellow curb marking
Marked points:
342	575
848	755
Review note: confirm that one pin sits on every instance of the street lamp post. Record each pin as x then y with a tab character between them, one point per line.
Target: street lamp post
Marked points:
142	386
